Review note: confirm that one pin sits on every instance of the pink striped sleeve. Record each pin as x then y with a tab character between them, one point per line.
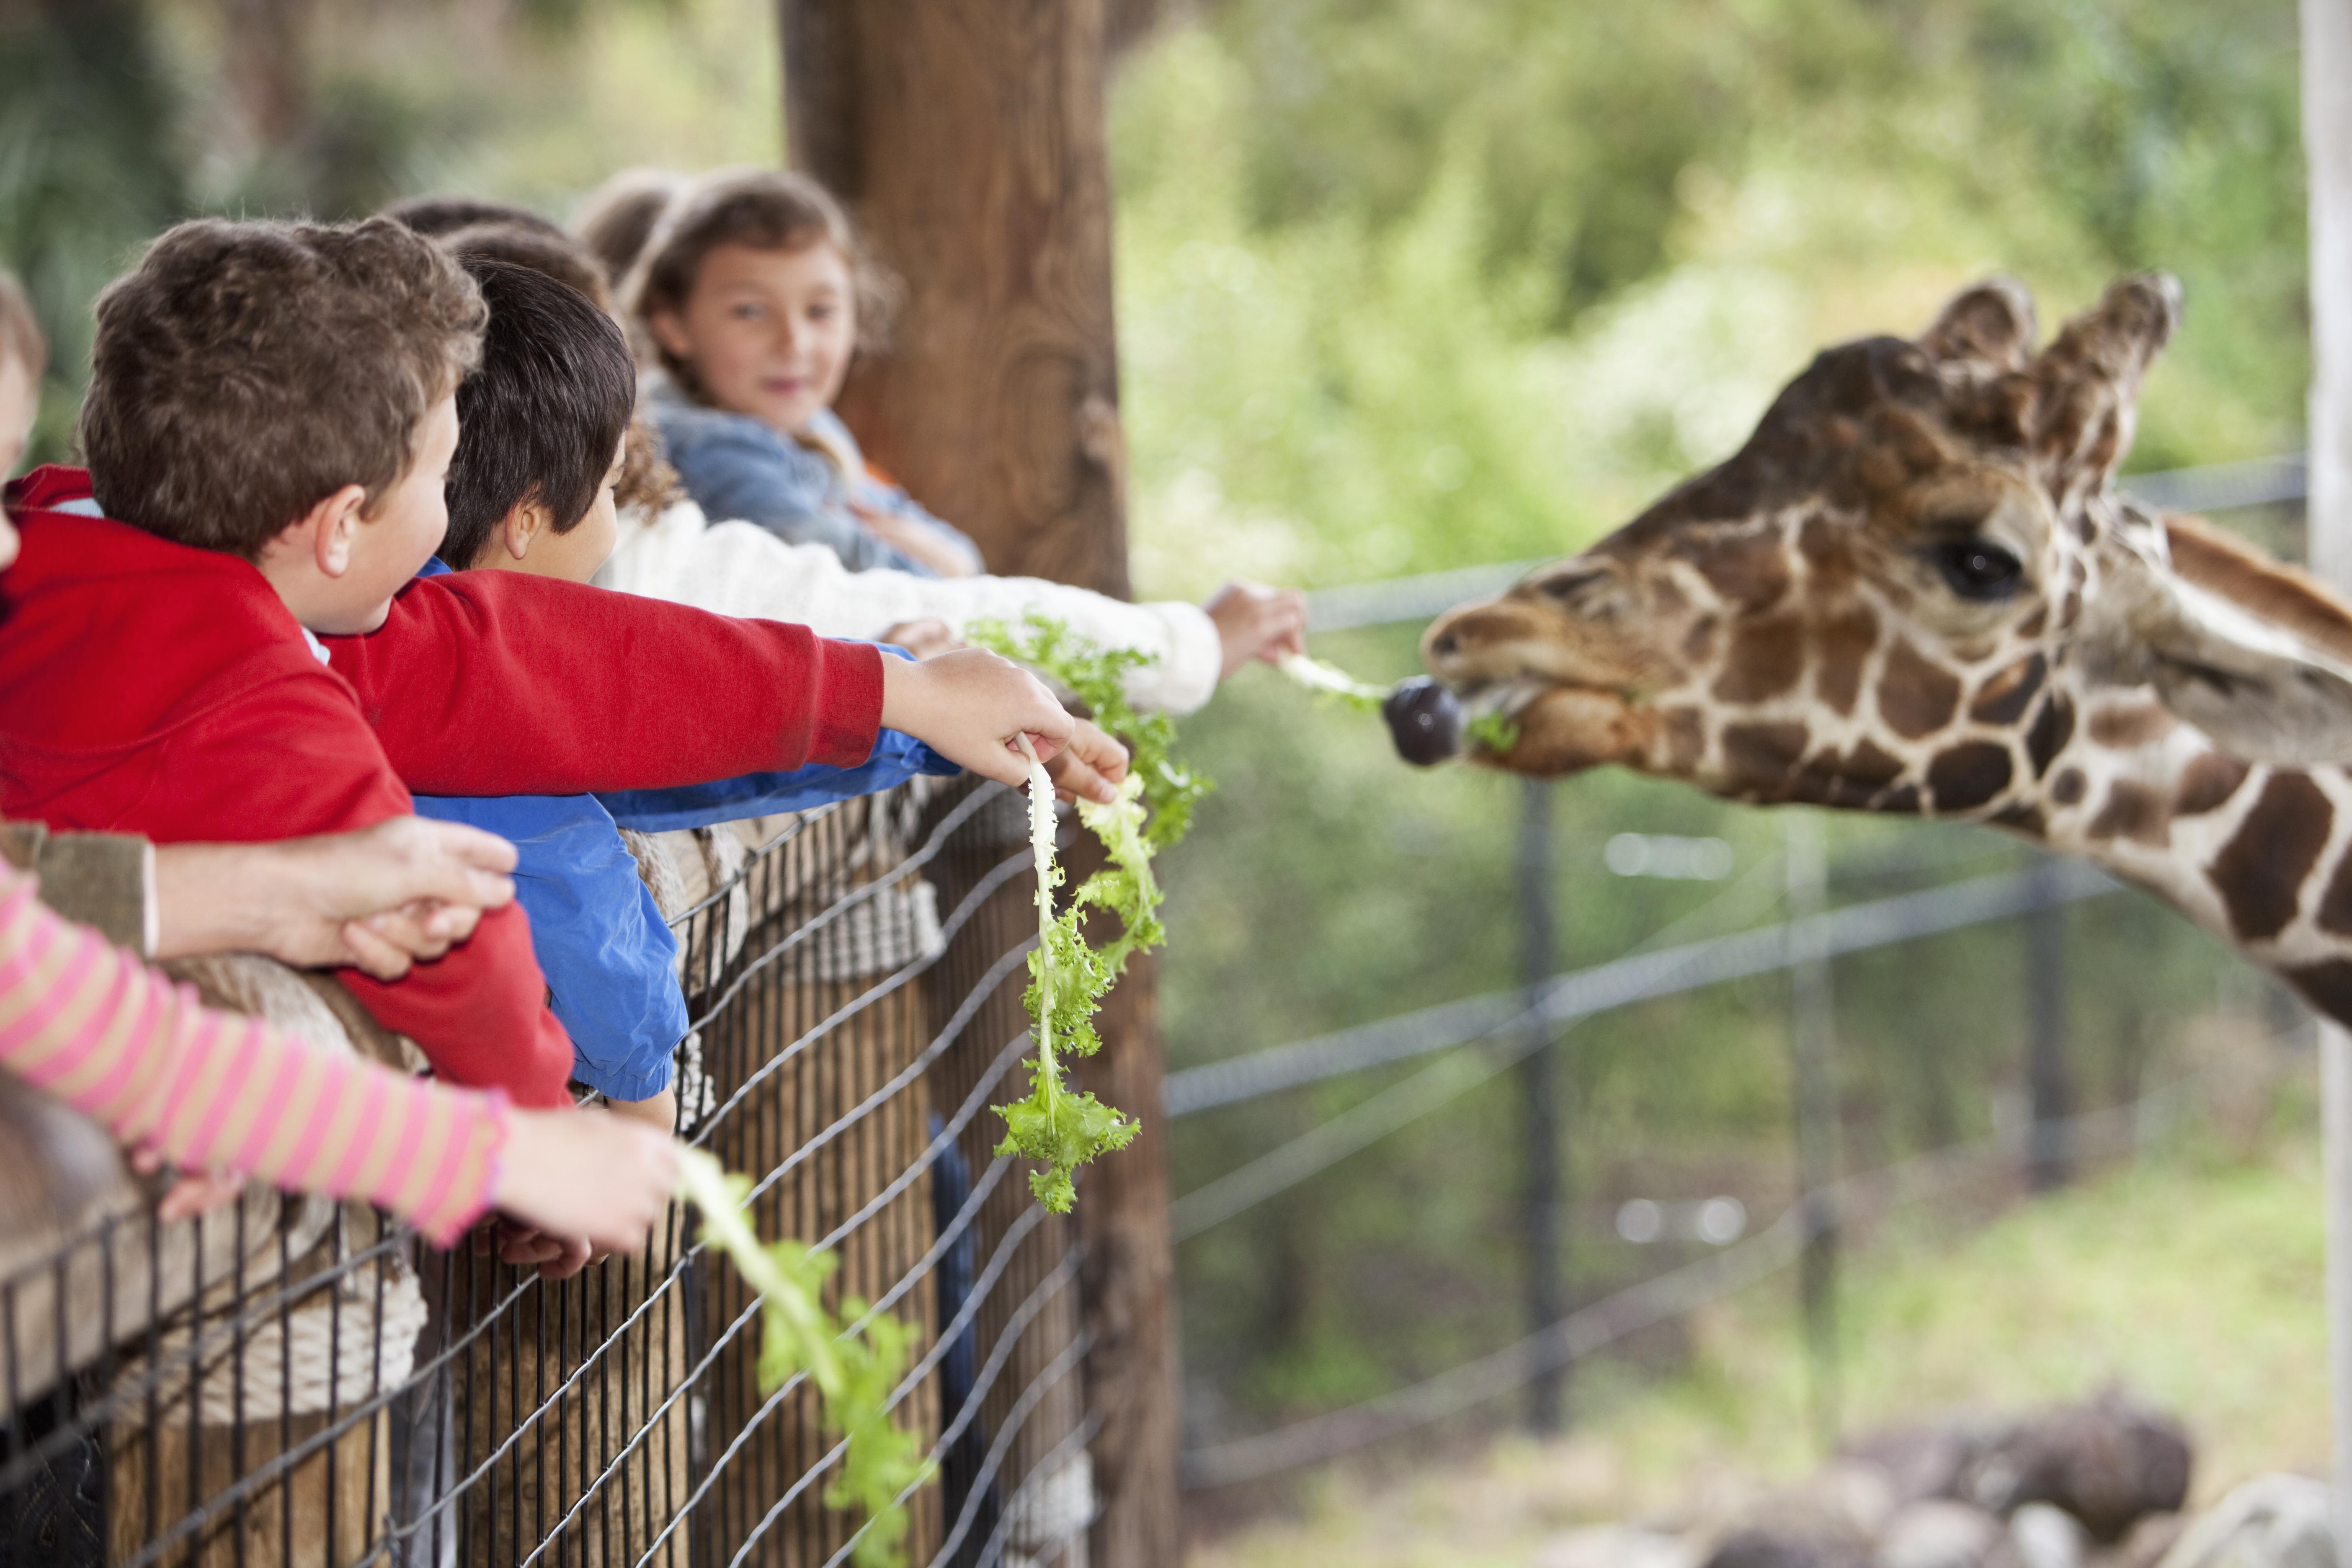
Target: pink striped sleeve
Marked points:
211	1090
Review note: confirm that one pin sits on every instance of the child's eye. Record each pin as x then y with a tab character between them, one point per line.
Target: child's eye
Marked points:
747	312
821	312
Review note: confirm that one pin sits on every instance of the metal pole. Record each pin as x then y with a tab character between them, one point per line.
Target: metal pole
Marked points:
2327	157
2049	1152
1812	1049
1539	1094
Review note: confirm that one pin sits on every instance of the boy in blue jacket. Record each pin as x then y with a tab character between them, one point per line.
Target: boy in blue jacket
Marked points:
541	429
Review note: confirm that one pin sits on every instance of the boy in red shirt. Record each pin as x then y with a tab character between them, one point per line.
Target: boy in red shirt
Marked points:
271	413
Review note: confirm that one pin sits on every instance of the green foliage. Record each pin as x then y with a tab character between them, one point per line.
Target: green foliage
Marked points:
1066	981
854	1373
1497	732
1098	679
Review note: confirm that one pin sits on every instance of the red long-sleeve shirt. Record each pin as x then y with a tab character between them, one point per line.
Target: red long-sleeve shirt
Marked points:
152	688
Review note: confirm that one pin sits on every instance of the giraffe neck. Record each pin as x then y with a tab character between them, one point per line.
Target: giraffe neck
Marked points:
2260	856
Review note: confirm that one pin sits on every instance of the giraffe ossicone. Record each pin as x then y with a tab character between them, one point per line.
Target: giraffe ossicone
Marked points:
1916	590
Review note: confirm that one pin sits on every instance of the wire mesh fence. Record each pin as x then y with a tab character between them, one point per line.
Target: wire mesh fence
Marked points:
293	1381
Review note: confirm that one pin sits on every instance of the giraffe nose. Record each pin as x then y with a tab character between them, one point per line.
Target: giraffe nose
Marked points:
1424	722
1446	645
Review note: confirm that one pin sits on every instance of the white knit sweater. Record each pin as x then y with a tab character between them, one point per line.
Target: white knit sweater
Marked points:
739	569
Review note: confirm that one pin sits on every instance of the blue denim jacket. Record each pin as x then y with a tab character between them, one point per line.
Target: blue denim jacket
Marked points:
608	955
734	466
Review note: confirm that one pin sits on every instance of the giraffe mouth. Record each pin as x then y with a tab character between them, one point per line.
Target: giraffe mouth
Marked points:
1547	728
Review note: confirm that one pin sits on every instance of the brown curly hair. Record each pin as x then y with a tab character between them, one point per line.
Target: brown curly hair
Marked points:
245	372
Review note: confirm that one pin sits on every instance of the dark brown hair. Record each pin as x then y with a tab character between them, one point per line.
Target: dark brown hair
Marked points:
766	210
20	334
245	372
433	216
543	415
647	482
557	254
616	218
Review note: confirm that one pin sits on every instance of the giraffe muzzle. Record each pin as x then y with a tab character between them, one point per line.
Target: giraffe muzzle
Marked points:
1425	720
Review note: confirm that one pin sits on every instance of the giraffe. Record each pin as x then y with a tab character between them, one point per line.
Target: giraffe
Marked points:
1915	590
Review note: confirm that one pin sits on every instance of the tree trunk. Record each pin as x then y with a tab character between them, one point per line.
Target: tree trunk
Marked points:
967	138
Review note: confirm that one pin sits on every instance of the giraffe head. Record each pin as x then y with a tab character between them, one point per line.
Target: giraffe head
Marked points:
1912	591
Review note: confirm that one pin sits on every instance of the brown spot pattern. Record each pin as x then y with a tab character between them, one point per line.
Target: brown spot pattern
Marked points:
1757	758
2133	726
1916	697
2327	987
2052	728
2208	782
2335	914
1903	802
1967	775
2068	787
1851	780
2261	870
1698	643
1747	571
2021	816
1766	658
2130	811
2002	698
1840	649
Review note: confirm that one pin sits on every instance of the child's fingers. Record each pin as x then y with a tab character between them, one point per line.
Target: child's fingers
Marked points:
199	1191
371	952
474	849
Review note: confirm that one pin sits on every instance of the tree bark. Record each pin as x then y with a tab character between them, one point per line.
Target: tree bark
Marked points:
967	138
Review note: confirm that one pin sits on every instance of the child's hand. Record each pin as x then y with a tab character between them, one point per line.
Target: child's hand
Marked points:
1254	621
587	1175
1090	764
968	705
381	898
926	638
195	1193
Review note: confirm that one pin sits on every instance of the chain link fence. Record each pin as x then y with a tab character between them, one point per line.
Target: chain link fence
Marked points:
291	1380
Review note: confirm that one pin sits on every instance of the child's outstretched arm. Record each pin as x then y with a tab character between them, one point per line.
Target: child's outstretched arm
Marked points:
216	1090
969	705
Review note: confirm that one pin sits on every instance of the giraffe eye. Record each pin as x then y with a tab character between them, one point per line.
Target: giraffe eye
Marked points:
1979	570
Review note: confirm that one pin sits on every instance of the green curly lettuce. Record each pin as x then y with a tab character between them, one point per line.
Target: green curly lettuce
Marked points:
1059	1130
854	1374
1096	677
1497	732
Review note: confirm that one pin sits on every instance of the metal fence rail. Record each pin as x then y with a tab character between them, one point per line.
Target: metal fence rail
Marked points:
293	1381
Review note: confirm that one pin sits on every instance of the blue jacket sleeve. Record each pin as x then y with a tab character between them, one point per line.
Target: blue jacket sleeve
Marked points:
609	957
737	469
895	759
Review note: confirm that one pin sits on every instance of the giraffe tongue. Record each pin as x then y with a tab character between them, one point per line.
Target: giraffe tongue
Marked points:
1425	720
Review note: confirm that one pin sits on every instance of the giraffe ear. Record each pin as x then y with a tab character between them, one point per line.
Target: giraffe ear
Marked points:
2260	692
2086	383
1991	324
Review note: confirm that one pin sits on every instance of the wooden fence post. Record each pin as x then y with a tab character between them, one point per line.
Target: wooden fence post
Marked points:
968	139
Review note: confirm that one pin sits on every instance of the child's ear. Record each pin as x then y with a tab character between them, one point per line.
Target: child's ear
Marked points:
669	332
326	531
524	521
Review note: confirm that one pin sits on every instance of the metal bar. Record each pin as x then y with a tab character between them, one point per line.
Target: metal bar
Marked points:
1543	1205
1620	982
